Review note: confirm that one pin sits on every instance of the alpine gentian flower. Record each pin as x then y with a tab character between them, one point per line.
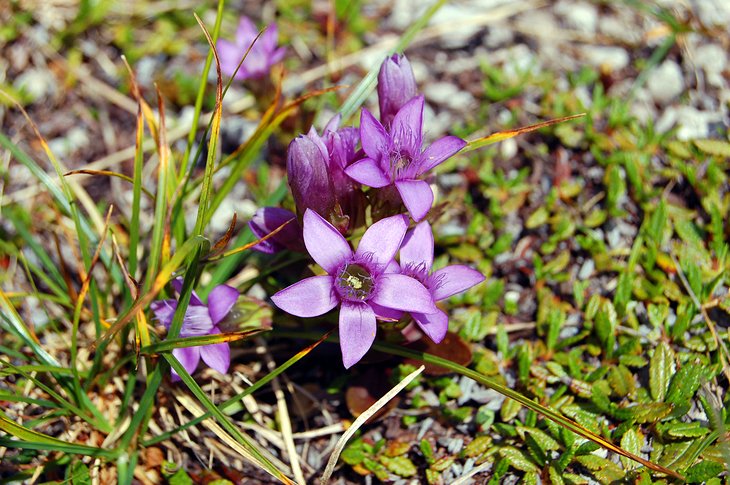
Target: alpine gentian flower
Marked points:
355	280
262	56
199	319
396	86
395	157
416	260
315	168
267	219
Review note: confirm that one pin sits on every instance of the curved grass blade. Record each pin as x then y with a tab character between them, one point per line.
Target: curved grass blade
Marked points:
366	86
30	439
258	458
109	173
182	342
250	390
505	391
507	134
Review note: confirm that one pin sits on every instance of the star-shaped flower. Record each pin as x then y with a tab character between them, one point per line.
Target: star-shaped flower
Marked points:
395	157
261	57
199	319
356	281
416	261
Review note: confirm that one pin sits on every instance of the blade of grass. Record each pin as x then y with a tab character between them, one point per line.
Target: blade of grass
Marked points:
109	173
168	345
507	134
366	86
505	391
18	327
259	459
250	390
362	419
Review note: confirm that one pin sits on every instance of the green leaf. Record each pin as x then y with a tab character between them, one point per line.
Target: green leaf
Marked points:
477	446
683	386
518	459
703	471
719	148
622	381
661	369
632	441
400	465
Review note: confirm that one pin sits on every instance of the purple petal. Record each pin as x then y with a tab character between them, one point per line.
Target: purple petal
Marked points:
453	279
382	240
177	285
188	357
396	85
230	55
333	124
435	325
164	310
401	292
220	301
269	37
324	243
373	136
385	313
417	197
357	331
439	151
310	297
368	172
408	125
277	56
417	247
217	356
246	33
307	170
196	321
266	220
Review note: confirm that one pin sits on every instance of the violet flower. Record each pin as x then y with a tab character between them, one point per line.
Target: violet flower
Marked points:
315	168
395	157
416	260
396	86
266	220
261	57
200	319
356	281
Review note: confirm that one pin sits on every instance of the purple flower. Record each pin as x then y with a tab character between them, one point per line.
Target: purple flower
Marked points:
262	56
268	219
199	319
396	86
357	281
395	157
416	260
315	168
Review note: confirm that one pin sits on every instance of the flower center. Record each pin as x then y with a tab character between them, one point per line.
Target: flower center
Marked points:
354	283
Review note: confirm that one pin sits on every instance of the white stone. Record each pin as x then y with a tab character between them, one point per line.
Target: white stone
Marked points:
449	95
665	82
712	59
606	57
579	16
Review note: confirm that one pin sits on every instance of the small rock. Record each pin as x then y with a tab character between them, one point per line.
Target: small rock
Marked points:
449	95
579	16
665	82
607	58
712	59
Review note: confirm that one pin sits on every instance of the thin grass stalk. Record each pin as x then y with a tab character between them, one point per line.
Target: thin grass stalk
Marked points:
201	91
237	398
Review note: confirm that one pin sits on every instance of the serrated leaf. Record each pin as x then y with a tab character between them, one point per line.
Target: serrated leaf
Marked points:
443	463
544	440
632	441
537	218
379	470
661	369
517	459
719	148
650	412
703	471
509	410
683	386
683	430
400	465
621	380
352	455
477	446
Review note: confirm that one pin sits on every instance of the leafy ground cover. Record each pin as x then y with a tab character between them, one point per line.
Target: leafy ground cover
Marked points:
603	240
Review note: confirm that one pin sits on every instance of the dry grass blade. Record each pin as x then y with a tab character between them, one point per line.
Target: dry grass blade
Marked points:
507	134
251	244
192	406
362	419
108	173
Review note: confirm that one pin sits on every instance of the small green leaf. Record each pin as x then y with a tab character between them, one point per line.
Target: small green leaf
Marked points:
661	369
632	441
400	465
518	459
719	148
622	381
703	471
477	446
509	410
683	386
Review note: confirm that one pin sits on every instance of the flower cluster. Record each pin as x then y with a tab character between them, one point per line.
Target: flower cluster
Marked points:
326	175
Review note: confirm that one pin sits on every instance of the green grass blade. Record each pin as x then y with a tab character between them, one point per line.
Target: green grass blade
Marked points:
366	86
259	458
17	327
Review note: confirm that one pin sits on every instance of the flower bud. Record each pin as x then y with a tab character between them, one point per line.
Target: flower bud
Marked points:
268	219
396	86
